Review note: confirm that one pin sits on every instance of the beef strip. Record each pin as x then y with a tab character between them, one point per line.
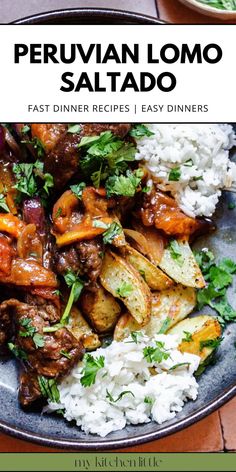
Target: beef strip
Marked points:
29	390
83	257
120	130
47	360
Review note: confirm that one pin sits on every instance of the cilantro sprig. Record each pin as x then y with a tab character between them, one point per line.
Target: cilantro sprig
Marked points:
91	367
31	331
104	155
76	285
3	203
175	251
124	185
156	354
31	179
219	277
49	389
139	131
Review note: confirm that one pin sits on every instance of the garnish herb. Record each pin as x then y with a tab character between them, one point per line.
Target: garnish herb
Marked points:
212	343
188	337
58	212
156	354
188	163
136	337
65	354
112	231
72	280
74	129
77	189
49	388
37	145
149	400
105	155
3	203
120	396
100	224
174	174
165	325
219	277
31	331
124	290
181	364
124	185
139	131
25	129
175	251
17	351
27	182
91	368
231	206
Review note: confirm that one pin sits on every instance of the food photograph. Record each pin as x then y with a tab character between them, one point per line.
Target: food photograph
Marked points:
117	269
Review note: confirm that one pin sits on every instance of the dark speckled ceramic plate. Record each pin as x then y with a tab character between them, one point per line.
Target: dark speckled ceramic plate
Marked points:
216	386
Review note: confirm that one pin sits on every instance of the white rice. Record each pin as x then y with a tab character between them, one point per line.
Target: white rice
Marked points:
126	369
201	152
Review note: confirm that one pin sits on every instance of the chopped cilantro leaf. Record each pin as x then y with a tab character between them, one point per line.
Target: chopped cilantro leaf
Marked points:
77	189
231	206
112	231
17	351
74	129
139	131
3	203
181	364
212	343
149	400
175	251
37	145
38	340
155	354
120	396
165	325
49	388
65	354
91	368
124	290
25	129
188	337
174	174
125	185
76	285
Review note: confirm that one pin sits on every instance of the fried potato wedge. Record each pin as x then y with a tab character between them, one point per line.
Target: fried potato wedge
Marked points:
153	276
172	305
101	309
184	268
193	333
81	330
116	274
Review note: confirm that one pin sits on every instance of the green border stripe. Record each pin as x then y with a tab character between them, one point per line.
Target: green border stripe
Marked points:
107	461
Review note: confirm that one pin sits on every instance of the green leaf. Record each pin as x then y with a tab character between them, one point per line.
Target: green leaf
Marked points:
136	337
91	368
113	230
188	337
139	131
37	145
231	206
65	354
17	351
100	224
38	340
174	174
219	277
77	189
3	203
155	354
165	325
120	396
76	284
49	389
74	129
29	330
175	251
125	185
149	400
25	129
125	290
26	179
212	343
181	364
